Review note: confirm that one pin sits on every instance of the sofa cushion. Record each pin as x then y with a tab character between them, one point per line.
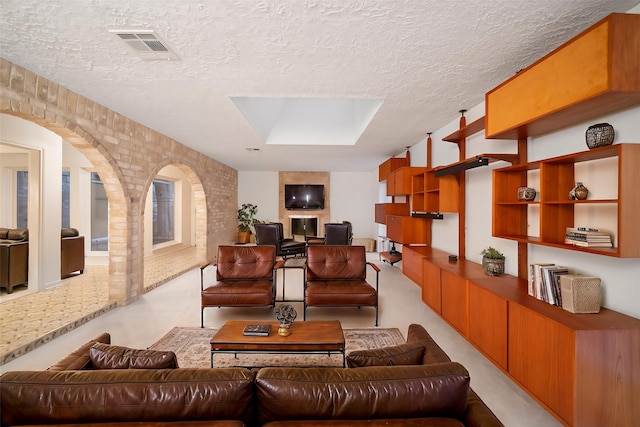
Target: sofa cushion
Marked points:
69	232
382	392
403	354
105	356
18	234
79	359
4	232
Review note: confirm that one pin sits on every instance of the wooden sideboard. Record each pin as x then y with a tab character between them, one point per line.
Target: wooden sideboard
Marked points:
583	368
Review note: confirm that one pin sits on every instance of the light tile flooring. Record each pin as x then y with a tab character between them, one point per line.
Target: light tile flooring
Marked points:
177	303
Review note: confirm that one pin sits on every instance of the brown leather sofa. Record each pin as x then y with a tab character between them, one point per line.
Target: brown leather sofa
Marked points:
434	392
14	255
71	252
14	258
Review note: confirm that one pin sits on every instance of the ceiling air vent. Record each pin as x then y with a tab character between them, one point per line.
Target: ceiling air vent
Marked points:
146	44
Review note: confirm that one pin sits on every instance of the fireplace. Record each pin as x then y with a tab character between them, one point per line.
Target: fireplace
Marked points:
304	226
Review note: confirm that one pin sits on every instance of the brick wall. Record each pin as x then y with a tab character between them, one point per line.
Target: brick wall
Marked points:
127	155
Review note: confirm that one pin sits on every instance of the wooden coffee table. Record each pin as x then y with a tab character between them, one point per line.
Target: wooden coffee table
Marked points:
308	337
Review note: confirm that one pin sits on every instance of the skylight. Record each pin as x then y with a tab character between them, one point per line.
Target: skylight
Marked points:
308	121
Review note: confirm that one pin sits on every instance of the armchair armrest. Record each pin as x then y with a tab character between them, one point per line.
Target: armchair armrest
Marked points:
377	270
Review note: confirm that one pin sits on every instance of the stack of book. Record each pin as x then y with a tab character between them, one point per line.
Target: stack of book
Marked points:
588	237
544	282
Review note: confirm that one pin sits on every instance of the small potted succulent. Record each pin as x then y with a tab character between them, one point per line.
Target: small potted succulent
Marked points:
492	261
246	218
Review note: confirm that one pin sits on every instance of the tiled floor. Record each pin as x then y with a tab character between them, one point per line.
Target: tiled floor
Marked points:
35	318
177	303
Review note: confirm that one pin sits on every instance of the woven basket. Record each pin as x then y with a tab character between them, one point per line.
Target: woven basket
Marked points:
599	135
580	294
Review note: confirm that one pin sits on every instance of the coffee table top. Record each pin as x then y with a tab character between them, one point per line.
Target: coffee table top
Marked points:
305	336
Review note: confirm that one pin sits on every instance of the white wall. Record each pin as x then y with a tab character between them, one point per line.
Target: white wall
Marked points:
621	291
353	195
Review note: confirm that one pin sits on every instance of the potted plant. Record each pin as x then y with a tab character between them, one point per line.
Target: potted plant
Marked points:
246	218
492	261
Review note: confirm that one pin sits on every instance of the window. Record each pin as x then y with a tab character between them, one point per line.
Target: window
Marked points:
66	197
163	211
99	215
22	199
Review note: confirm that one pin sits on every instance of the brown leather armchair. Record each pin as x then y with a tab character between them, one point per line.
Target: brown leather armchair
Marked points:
335	276
245	277
14	258
71	252
272	234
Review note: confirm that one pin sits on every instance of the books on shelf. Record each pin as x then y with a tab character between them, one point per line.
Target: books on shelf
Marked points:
257	330
588	237
544	282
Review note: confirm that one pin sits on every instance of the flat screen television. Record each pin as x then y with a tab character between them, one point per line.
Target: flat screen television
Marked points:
309	196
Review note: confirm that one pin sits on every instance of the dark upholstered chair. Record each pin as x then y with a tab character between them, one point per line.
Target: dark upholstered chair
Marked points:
338	234
334	234
272	234
245	277
335	276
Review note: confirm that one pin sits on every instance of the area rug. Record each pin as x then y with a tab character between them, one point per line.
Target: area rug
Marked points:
193	349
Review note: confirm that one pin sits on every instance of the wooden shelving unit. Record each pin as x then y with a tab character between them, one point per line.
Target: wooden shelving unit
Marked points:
556	212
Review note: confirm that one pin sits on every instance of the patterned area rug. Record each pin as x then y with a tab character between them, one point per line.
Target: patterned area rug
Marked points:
193	349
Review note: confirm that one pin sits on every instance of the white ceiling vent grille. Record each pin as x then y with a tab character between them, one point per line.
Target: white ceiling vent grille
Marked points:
146	44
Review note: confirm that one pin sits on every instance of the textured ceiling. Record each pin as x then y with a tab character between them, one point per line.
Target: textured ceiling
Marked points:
425	59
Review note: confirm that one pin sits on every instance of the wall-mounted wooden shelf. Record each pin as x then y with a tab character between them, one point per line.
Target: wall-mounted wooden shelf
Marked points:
594	73
427	215
466	131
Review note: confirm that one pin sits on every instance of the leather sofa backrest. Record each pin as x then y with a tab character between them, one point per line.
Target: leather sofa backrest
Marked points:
245	262
18	234
49	397
80	359
329	262
439	390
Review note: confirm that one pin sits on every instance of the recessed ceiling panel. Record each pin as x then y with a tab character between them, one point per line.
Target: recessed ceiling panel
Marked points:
308	121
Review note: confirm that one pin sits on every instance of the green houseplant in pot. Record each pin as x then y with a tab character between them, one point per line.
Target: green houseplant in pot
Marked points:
246	218
492	261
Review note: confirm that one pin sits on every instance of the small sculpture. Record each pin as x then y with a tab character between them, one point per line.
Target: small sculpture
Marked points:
579	192
285	314
526	193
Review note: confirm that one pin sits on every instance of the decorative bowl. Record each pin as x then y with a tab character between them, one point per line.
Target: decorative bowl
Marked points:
526	193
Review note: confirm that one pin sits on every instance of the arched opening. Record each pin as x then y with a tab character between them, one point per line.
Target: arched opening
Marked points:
48	152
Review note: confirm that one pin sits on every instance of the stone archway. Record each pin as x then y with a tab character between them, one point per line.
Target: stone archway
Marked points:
86	144
199	207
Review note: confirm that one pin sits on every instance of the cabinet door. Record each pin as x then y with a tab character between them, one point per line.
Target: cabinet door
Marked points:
412	265
455	301
431	293
541	358
488	323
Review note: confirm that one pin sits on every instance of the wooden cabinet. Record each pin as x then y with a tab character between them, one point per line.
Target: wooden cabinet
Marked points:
488	323
612	173
541	356
455	301
399	181
583	368
390	165
595	73
384	209
412	265
431	290
407	230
